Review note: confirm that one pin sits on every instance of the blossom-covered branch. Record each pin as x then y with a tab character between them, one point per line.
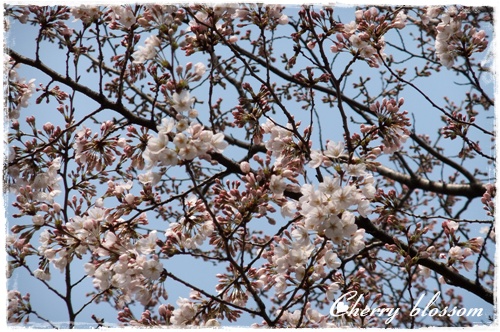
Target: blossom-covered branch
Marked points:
254	164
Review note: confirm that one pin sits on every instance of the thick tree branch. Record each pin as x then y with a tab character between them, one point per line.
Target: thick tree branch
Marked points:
467	190
452	277
99	98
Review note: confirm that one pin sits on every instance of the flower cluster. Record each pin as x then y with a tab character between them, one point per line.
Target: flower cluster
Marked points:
189	73
147	52
431	14
185	312
281	138
121	15
135	272
273	14
289	154
81	234
392	124
94	151
326	209
188	143
488	199
460	251
20	91
310	317
118	262
40	186
198	36
221	17
366	34
192	229
86	13
452	41
333	151
18	306
326	213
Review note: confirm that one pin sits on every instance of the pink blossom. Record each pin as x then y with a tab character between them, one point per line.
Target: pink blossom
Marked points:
334	150
200	69
149	177
400	21
38	220
152	269
424	271
147	52
357	243
218	143
277	185
41	274
316	159
184	313
300	234
331	260
245	167
182	102
456	252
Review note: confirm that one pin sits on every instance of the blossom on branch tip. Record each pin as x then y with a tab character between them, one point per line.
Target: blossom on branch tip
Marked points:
152	269
19	91
400	20
200	69
149	177
184	313
41	274
277	185
147	52
316	159
331	260
452	40
334	150
182	102
85	13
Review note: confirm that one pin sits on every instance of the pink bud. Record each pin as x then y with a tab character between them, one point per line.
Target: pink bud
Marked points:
359	14
89	224
48	127
245	167
56	207
129	198
162	310
143	22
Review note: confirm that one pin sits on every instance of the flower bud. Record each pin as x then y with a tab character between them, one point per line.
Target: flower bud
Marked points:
245	167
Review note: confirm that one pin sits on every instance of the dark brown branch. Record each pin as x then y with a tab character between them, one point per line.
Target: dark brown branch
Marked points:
451	277
467	190
103	101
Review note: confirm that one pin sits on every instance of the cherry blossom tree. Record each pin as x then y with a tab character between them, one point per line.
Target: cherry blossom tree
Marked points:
271	145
